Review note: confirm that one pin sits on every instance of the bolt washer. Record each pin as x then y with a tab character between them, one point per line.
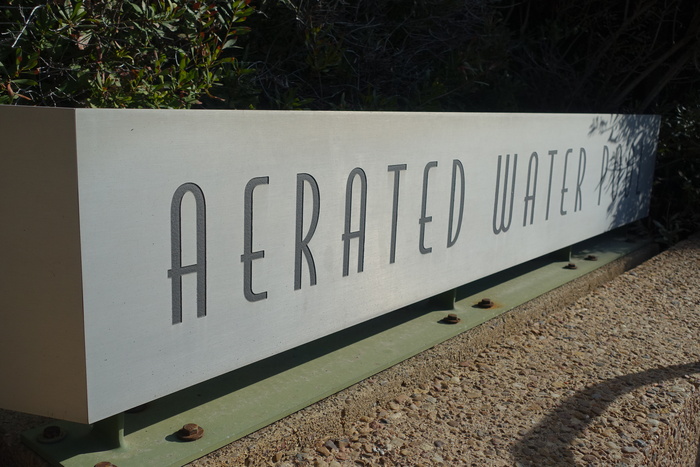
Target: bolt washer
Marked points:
451	319
485	303
52	434
105	464
571	266
190	432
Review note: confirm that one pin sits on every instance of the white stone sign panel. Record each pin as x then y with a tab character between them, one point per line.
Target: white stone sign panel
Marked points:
145	251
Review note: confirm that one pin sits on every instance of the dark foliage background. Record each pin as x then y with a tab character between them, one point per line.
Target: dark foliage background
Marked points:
412	55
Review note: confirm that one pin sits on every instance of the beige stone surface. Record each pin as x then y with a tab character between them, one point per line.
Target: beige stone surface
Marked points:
602	371
610	379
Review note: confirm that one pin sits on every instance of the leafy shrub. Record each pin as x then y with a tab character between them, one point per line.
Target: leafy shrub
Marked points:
424	55
676	200
118	53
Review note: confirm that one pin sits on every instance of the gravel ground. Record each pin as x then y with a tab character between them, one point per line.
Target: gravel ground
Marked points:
609	380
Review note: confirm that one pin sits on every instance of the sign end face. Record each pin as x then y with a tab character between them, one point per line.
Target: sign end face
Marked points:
42	330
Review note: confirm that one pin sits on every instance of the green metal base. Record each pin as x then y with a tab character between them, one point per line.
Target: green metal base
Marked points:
243	401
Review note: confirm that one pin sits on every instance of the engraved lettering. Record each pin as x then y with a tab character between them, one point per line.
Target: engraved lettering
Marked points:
248	254
302	241
552	153
603	171
397	168
578	202
360	233
456	167
564	189
530	195
200	267
504	225
423	218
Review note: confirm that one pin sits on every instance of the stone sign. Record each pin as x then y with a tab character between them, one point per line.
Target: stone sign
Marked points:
145	251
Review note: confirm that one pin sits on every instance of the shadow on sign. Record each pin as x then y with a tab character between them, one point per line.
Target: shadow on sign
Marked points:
624	177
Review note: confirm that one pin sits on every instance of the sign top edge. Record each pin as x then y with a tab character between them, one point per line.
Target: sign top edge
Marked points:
308	112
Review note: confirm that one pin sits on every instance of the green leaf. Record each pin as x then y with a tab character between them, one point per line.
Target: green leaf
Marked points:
229	44
25	82
136	7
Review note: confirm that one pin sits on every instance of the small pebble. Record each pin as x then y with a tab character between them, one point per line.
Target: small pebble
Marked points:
330	445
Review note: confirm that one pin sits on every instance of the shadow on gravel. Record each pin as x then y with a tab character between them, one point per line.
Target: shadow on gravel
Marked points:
551	441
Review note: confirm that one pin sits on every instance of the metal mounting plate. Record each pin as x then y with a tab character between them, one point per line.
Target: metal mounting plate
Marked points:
238	403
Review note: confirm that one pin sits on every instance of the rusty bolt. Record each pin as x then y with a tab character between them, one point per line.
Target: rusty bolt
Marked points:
52	434
571	266
451	319
591	258
190	432
105	464
485	303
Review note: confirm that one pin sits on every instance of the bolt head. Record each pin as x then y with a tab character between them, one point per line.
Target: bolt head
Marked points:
451	319
485	303
190	432
52	434
191	428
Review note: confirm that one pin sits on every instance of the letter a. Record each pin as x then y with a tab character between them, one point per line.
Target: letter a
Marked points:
360	232
177	269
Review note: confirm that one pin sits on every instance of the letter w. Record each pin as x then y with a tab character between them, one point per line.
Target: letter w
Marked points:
504	226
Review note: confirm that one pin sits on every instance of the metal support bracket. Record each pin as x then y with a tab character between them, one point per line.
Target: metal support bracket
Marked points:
561	255
445	300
